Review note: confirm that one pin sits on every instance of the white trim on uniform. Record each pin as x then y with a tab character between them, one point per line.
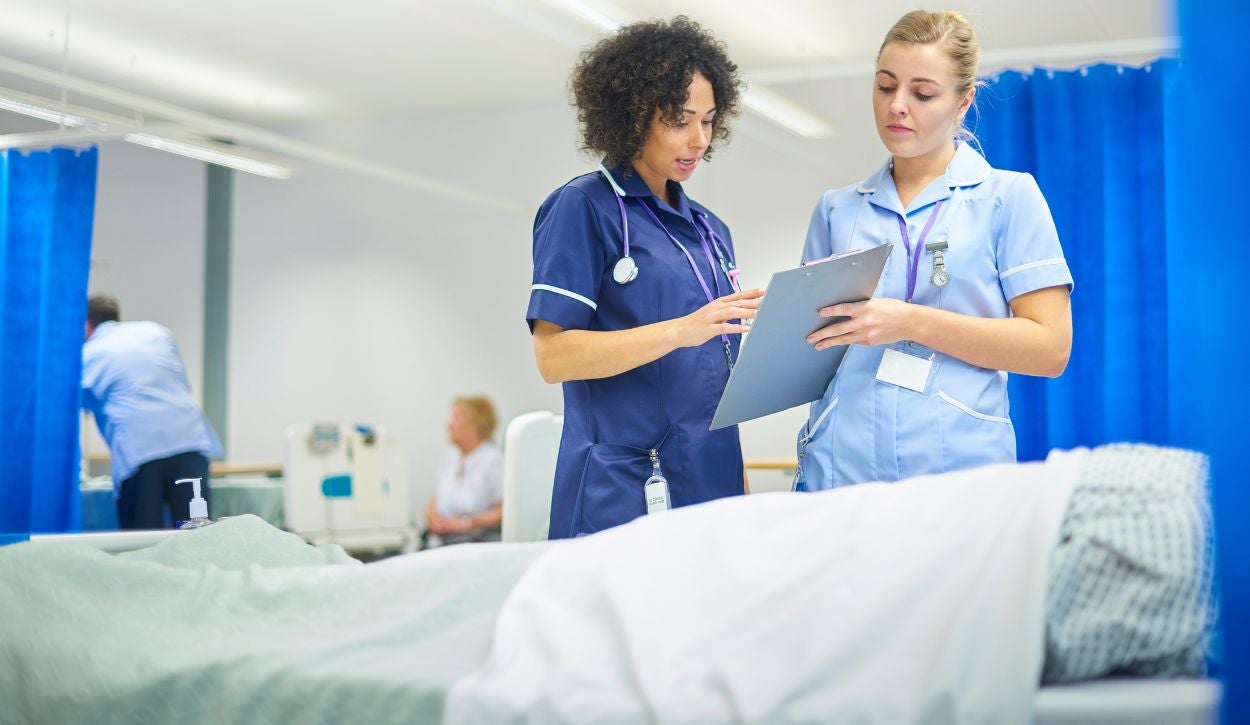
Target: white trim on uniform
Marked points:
811	430
970	411
1031	265
548	288
985	174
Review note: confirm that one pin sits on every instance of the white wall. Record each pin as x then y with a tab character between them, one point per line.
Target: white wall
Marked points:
365	301
361	300
148	248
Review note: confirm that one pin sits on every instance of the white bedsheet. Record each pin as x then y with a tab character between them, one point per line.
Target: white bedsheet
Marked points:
920	602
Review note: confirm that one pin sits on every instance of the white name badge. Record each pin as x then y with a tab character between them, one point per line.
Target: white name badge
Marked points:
905	370
656	491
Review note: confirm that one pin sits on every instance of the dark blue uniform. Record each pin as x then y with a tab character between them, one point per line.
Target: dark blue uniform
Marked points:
611	424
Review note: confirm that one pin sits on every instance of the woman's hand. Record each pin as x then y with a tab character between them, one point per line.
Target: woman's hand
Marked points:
878	321
1035	340
714	318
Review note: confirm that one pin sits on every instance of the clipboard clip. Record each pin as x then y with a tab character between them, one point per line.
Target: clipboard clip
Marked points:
830	258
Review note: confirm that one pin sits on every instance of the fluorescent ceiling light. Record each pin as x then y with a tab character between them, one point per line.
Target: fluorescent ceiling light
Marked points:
61	138
202	123
46	114
769	104
88	131
106	46
580	10
235	161
786	113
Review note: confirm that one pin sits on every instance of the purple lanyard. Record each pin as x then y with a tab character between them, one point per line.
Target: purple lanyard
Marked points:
914	257
711	262
731	268
707	291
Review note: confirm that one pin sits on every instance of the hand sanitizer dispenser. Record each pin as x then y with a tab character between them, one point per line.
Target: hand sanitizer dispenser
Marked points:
199	507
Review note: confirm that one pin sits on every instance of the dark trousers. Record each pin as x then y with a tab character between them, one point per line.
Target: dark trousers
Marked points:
144	495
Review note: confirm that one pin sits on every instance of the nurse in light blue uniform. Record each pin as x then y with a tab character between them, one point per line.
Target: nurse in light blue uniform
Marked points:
975	287
634	305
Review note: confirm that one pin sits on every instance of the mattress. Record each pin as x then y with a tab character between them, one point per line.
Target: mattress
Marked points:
1129	702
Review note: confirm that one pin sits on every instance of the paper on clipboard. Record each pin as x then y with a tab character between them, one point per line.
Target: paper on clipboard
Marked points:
777	367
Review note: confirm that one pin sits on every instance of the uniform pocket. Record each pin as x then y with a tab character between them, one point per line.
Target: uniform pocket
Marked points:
811	428
611	492
972	437
969	410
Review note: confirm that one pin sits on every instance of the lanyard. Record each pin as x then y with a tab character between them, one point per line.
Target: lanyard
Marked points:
707	292
729	268
913	260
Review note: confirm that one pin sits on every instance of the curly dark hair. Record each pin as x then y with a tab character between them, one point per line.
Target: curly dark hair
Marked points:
620	82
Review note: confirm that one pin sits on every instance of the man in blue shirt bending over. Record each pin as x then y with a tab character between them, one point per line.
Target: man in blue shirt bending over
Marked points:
134	383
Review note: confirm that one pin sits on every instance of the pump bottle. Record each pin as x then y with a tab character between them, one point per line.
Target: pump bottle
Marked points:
199	507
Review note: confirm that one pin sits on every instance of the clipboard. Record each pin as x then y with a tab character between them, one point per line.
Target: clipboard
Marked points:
777	367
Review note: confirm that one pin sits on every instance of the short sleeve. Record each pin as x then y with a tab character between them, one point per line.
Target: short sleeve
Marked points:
1027	244
92	374
819	242
569	260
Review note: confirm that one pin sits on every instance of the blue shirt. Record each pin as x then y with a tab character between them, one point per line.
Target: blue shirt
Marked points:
611	424
134	384
1002	244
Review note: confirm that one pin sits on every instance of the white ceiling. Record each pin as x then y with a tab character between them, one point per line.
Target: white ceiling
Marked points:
278	62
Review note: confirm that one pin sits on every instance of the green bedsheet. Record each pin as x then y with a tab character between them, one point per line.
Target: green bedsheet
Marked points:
293	633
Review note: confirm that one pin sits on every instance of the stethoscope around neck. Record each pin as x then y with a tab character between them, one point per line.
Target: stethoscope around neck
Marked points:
626	269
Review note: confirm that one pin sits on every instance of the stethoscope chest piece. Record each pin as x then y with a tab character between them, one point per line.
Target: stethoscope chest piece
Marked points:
625	270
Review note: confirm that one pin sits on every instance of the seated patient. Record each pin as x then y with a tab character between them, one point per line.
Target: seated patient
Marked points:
468	503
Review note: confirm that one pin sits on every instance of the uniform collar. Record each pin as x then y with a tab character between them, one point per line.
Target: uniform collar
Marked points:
103	329
967	168
631	184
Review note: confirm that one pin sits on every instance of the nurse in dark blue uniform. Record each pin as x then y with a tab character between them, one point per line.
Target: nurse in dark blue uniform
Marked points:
635	306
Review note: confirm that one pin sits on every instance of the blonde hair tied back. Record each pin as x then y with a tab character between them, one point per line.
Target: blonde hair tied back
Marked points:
951	32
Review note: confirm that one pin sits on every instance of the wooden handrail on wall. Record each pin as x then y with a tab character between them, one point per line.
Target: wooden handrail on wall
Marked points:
222	468
771	464
226	468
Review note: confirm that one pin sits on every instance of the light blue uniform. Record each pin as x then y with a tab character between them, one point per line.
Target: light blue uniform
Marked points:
1002	244
134	384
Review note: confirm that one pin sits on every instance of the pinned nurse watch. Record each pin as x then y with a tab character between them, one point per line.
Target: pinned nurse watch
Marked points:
940	277
625	270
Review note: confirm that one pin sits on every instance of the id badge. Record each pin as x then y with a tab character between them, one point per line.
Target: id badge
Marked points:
905	369
656	491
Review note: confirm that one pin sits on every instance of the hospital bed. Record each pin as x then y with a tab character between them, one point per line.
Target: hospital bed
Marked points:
450	604
112	542
533	441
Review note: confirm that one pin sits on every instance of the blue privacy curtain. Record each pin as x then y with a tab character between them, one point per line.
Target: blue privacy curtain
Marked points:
1094	139
47	201
1207	303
